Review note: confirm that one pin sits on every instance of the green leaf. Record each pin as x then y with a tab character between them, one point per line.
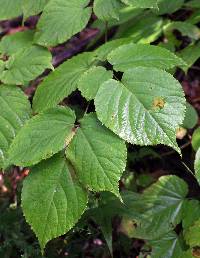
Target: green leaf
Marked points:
10	44
98	156
193	4
62	19
190	55
10	9
31	8
139	32
43	136
168	6
159	209
142	3
92	79
197	165
132	55
102	52
52	199
168	246
190	217
192	235
186	29
15	110
191	117
144	109
106	10
196	139
25	65
61	82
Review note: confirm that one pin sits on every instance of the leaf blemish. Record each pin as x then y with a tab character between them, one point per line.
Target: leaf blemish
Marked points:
158	102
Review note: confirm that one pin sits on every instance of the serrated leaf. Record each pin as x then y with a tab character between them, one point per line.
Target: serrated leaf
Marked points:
62	19
167	246
142	3
144	109
91	80
31	8
159	209
52	199
10	9
15	110
107	10
98	156
132	55
102	52
25	65
10	44
61	82
189	217
44	135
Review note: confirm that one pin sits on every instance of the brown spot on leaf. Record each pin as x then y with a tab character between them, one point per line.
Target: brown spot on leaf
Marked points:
158	102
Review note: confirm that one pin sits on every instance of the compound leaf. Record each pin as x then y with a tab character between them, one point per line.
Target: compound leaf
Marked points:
43	135
52	199
144	109
98	156
62	19
15	110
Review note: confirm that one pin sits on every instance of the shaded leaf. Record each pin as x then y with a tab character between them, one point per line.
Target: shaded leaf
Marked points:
142	3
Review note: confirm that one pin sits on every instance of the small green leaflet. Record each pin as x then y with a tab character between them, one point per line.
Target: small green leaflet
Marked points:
61	82
144	109
197	165
52	199
131	55
91	80
107	10
44	135
191	117
10	9
10	44
25	65
98	156
142	3
31	7
62	19
15	110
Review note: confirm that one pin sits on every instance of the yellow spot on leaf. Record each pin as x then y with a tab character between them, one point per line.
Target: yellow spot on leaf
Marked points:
158	102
